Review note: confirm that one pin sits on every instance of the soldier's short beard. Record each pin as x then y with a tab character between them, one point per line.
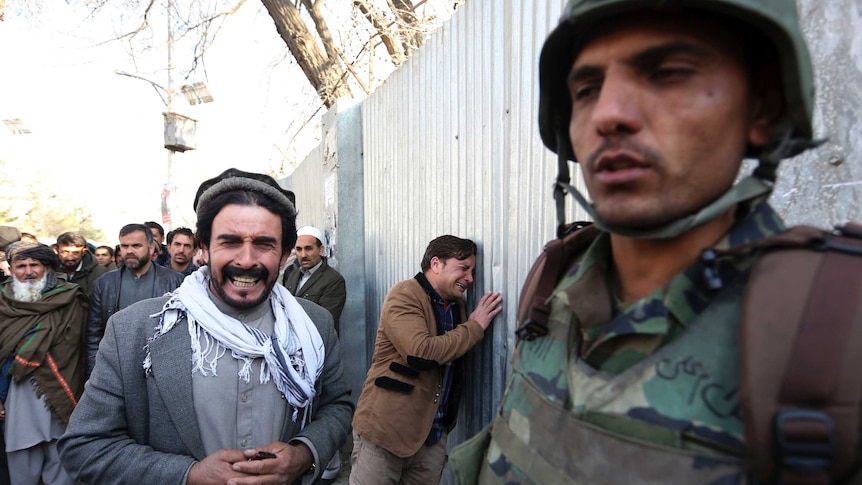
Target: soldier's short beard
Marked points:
29	291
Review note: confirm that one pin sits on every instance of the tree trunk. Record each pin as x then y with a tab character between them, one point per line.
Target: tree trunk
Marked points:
323	72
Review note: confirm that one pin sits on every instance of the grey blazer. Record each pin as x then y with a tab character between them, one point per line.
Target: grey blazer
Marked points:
131	429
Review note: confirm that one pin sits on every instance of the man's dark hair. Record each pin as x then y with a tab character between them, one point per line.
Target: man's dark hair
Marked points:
109	248
209	210
157	226
445	247
71	239
130	228
185	231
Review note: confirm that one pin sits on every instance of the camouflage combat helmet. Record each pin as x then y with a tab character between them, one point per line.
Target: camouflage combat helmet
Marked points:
775	20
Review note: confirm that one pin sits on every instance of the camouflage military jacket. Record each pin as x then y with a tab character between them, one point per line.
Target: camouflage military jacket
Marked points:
641	393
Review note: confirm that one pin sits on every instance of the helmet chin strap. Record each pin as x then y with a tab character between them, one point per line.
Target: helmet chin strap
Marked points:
749	188
563	185
758	185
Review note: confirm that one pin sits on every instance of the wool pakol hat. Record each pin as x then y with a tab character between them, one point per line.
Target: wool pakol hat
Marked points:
235	179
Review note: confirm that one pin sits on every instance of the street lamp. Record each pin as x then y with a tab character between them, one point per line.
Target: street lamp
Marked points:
16	126
180	129
197	93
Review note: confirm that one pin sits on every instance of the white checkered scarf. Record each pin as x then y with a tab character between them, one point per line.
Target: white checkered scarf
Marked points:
293	355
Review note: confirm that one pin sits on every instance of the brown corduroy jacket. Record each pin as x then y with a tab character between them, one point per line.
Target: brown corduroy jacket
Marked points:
402	389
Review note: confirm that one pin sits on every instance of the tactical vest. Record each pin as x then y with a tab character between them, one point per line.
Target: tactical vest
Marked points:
685	384
809	401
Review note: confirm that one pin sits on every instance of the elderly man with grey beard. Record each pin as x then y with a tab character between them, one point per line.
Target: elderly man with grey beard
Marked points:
41	349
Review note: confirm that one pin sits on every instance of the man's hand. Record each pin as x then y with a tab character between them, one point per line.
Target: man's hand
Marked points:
216	468
198	259
290	462
489	307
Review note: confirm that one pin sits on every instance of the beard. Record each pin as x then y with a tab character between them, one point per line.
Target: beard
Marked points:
134	262
70	265
28	291
229	272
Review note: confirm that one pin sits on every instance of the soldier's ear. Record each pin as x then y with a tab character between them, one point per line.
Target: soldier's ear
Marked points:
768	104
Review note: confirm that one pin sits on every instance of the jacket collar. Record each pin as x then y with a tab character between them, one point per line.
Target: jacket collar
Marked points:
436	299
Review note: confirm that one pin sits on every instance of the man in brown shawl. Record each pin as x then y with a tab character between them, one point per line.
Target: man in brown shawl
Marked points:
42	322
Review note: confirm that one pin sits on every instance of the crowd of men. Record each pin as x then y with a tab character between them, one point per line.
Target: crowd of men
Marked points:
61	296
238	320
167	369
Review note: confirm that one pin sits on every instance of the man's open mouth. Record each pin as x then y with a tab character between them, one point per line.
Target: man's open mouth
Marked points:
244	281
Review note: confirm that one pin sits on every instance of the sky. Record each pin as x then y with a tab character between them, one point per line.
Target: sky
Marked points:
98	136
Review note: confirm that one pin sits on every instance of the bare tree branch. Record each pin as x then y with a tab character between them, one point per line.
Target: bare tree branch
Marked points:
207	36
380	23
412	35
350	68
322	58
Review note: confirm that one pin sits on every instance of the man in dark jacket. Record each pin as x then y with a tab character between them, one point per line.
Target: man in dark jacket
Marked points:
316	280
138	279
79	265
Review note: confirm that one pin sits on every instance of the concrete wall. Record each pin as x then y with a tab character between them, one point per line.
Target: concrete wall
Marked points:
824	187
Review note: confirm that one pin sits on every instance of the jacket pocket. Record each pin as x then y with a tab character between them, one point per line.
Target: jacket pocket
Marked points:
393	385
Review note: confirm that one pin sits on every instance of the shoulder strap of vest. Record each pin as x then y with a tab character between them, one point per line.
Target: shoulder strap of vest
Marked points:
533	307
801	355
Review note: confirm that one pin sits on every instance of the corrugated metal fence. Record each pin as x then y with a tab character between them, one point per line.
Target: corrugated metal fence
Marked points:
451	147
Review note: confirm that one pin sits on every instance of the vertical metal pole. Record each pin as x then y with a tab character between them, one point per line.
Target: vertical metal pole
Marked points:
168	224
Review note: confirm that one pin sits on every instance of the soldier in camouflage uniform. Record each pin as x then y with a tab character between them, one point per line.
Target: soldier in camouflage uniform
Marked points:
637	378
